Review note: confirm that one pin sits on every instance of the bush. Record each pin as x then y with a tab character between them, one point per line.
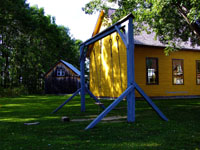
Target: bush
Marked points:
13	92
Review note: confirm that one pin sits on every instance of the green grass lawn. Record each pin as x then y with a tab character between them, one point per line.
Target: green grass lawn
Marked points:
148	132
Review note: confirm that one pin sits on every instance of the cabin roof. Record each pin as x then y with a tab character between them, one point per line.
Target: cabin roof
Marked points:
71	67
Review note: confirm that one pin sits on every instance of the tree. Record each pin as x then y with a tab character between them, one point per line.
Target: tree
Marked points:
10	30
31	43
173	21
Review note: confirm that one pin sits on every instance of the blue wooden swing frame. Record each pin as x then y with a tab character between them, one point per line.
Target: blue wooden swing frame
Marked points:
127	37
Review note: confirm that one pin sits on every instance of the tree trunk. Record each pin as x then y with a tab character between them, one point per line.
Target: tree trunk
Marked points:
193	26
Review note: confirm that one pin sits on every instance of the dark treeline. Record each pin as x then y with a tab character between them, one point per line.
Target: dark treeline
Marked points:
30	43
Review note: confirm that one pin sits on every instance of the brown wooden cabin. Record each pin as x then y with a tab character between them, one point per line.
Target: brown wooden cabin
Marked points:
62	78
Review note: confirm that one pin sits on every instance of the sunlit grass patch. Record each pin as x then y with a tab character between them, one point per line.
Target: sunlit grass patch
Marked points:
13	105
10	119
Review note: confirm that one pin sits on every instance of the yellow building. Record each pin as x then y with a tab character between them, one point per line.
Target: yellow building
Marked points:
157	74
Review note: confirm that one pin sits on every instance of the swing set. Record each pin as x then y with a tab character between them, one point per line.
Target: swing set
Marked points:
125	25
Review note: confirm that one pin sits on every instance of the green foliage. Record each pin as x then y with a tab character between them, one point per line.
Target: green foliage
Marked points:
173	21
30	44
148	132
13	92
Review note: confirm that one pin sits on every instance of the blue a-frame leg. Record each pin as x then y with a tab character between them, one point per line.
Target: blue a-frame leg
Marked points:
82	67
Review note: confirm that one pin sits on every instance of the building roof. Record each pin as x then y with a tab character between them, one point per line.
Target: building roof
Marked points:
71	67
149	40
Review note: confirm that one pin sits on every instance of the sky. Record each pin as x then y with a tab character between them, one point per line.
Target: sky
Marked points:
69	14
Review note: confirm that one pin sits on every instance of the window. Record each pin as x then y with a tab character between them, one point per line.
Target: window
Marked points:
177	71
151	70
60	72
198	71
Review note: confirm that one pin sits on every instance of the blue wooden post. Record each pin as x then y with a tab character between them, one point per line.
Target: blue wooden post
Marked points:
130	72
82	68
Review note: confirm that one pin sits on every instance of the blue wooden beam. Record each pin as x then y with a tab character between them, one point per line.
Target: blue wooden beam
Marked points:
66	101
100	36
95	98
122	36
108	31
130	72
110	107
150	102
82	68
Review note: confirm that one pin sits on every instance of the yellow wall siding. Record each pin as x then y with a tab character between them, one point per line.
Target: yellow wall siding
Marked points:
165	86
101	80
105	80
